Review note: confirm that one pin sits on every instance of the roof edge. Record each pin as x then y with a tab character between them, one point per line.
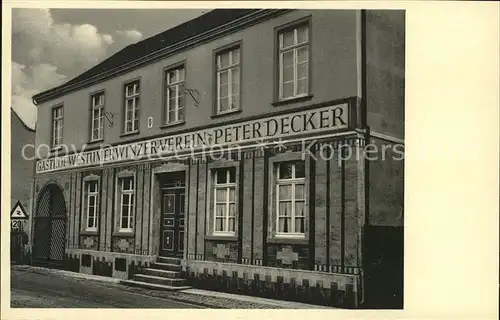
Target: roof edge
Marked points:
22	121
208	35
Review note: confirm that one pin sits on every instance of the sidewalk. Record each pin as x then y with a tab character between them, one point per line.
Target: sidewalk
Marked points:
204	298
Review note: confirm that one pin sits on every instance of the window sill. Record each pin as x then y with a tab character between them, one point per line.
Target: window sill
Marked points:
95	142
221	237
89	233
288	240
123	233
172	124
292	100
126	134
218	115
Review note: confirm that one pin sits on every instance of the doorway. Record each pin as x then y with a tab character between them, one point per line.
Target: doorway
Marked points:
49	238
172	198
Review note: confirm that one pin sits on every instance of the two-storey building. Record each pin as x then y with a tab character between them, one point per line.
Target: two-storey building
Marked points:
227	153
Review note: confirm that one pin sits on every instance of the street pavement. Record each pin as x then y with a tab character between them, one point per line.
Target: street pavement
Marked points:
36	289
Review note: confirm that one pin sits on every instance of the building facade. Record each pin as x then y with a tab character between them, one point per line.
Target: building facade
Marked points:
222	145
21	185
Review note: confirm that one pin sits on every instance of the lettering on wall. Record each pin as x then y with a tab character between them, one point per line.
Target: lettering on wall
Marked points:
248	133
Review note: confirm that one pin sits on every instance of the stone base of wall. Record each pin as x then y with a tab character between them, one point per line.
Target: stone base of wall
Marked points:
329	289
109	264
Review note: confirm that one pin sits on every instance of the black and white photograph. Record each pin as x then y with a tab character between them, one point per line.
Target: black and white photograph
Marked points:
207	158
223	158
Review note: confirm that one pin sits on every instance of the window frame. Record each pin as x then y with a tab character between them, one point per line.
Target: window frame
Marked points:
55	120
227	187
272	236
101	109
278	90
236	45
131	202
292	182
136	97
87	195
166	85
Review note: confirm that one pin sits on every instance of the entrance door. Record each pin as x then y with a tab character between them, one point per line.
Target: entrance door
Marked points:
173	195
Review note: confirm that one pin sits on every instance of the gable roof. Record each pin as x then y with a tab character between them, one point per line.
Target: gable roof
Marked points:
25	125
133	52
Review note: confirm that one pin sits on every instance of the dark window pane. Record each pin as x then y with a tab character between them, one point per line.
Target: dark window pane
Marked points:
125	209
221	176
300	169
124	223
128	183
285	170
232	175
219	222
136	106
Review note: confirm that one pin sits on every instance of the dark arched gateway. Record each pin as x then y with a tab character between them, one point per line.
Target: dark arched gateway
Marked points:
49	234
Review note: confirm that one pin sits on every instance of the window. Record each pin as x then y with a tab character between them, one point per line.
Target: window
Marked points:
132	107
57	126
224	200
126	191
97	121
294	62
91	204
228	80
175	98
290	198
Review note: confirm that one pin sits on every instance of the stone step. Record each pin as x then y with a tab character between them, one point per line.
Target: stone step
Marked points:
152	286
169	260
159	280
166	266
161	273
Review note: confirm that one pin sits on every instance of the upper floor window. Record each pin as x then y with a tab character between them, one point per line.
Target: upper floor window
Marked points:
57	125
132	107
175	98
126	193
91	201
290	198
294	62
224	192
97	121
228	80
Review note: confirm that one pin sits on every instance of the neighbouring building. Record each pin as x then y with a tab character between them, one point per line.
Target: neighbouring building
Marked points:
215	155
21	184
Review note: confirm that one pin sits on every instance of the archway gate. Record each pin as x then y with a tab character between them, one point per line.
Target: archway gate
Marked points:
49	236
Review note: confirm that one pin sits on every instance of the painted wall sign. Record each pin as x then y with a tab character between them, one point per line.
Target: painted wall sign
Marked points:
283	127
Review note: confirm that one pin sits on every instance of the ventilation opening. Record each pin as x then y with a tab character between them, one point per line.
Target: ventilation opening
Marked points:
121	264
86	260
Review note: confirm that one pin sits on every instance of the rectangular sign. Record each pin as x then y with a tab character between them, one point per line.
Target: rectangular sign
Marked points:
217	139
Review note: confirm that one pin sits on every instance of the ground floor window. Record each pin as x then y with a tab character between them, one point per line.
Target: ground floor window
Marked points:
126	204
224	200
290	198
91	201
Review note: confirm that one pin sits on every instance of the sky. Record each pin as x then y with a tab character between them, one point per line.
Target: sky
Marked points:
52	46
